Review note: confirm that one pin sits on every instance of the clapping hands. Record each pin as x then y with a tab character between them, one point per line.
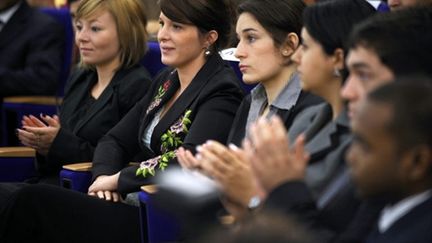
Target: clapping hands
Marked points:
39	133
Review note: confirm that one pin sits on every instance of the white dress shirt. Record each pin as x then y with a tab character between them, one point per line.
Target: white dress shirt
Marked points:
6	15
391	214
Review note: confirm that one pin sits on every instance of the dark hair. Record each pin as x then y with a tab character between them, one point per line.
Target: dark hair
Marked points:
401	39
278	18
207	15
330	22
411	101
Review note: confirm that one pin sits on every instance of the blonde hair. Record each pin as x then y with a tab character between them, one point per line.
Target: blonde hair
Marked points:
131	22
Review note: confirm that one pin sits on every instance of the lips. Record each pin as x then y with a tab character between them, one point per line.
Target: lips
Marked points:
243	68
351	110
85	50
165	49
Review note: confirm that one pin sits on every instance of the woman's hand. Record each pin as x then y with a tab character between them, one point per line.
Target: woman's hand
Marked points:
37	134
273	161
231	169
187	160
105	187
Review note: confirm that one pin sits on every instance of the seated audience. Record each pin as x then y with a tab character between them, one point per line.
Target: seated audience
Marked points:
269	34
370	65
194	100
391	158
108	84
321	65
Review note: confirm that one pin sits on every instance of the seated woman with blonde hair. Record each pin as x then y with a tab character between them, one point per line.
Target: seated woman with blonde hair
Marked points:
112	38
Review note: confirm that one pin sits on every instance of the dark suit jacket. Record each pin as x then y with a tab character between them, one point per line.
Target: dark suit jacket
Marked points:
31	49
213	97
238	129
78	138
414	227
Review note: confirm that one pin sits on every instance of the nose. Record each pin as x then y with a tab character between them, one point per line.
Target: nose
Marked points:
297	56
81	35
240	51
349	91
162	34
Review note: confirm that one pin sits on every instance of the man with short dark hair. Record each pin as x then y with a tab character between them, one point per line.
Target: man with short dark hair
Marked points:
386	46
391	158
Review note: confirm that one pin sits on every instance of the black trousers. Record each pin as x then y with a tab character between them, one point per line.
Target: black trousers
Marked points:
44	213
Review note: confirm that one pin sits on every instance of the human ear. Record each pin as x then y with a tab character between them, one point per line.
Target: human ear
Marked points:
421	163
290	44
339	58
211	38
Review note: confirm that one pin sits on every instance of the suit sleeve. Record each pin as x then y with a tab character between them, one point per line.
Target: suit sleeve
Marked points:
213	120
42	66
294	199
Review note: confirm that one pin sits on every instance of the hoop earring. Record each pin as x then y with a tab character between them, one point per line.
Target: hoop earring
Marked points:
336	73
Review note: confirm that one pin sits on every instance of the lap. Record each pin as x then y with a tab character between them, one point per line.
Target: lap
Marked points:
64	215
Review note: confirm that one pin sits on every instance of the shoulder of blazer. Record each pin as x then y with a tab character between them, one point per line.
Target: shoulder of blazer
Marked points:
134	73
220	79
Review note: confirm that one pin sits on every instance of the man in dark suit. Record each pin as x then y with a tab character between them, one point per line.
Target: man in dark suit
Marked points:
391	158
31	47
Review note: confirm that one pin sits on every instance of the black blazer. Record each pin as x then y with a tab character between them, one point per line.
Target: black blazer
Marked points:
31	50
212	97
78	138
238	129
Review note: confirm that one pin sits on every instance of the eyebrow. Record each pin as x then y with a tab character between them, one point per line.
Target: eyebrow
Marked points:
248	29
359	65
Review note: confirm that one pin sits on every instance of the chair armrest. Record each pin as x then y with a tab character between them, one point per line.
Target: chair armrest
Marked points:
17	152
149	189
38	100
85	166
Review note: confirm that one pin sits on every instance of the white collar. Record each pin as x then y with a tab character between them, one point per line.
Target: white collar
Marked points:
391	214
7	15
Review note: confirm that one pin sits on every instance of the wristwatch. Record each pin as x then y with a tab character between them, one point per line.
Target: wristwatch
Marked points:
254	203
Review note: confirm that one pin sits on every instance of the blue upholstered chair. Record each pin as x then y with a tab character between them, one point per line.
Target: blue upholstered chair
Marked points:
14	108
16	164
76	176
156	225
152	59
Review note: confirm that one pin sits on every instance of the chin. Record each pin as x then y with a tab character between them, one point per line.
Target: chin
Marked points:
248	80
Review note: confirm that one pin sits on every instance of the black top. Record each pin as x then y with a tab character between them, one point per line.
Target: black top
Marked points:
212	98
83	125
